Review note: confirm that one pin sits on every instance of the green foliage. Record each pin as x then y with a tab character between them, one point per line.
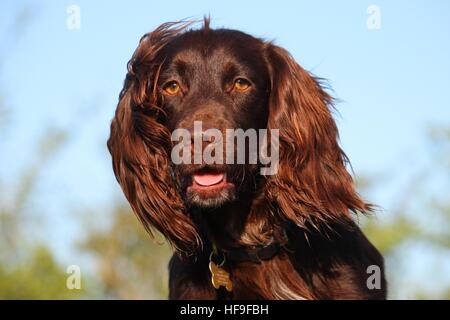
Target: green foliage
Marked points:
406	222
129	264
36	277
29	271
389	235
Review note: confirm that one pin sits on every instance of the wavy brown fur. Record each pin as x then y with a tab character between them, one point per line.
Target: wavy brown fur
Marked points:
306	206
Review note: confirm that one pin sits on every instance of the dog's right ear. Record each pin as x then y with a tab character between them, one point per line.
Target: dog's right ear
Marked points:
140	146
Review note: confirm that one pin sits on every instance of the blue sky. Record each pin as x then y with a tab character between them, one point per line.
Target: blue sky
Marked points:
392	83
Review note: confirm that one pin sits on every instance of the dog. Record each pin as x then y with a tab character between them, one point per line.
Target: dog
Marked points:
237	233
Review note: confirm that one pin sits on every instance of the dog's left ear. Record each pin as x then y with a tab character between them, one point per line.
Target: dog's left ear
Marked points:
312	184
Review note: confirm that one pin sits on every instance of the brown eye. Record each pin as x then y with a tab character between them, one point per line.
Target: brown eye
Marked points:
171	88
241	84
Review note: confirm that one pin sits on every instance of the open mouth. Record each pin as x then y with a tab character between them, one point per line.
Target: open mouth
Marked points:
207	180
210	188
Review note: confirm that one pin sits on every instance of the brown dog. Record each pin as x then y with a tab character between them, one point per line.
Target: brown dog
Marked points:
289	235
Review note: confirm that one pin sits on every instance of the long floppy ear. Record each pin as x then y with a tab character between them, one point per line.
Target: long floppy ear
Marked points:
140	146
312	185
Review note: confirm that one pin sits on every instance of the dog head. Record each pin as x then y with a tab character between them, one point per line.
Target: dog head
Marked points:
204	83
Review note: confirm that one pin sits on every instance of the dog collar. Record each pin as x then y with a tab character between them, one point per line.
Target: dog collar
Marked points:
220	277
254	254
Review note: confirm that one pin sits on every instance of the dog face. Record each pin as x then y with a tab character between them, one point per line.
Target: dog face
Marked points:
224	80
220	80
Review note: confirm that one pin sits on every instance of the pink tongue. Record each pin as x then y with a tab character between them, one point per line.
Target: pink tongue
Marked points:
208	179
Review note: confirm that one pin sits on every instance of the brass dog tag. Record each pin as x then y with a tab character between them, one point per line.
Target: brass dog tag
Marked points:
219	277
